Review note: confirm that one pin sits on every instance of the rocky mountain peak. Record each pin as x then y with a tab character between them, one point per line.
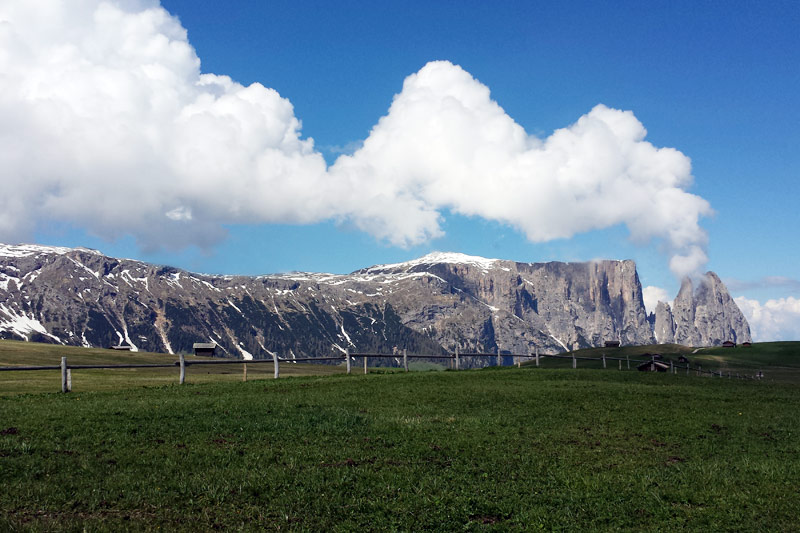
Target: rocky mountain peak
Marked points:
702	315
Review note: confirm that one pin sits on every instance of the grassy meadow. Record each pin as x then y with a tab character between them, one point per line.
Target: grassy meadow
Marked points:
17	353
779	361
494	449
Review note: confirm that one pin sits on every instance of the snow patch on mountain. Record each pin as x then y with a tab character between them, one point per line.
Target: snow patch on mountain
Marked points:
27	250
433	258
21	324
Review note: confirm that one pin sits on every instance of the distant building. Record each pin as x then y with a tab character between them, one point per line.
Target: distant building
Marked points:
612	344
747	344
121	347
208	349
729	344
683	359
653	366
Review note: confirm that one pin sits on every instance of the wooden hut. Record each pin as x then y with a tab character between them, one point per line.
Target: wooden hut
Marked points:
729	344
612	344
653	366
207	349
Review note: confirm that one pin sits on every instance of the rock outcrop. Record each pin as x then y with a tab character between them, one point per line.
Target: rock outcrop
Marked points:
702	316
664	324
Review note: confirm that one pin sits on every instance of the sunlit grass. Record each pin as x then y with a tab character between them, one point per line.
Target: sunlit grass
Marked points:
494	449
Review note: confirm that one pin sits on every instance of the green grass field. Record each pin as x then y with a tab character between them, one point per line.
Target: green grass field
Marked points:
493	449
779	361
16	353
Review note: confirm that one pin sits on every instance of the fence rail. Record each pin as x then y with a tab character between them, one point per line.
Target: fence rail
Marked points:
348	358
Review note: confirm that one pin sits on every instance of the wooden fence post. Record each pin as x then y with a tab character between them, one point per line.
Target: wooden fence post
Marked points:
244	371
182	376
347	358
458	363
63	374
405	359
537	356
620	364
365	364
604	360
628	359
671	367
574	362
276	364
499	360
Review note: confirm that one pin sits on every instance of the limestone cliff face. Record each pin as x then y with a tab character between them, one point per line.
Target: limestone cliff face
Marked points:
702	316
683	311
664	327
435	304
478	304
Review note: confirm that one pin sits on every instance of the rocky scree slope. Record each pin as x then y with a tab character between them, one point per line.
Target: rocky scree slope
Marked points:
431	305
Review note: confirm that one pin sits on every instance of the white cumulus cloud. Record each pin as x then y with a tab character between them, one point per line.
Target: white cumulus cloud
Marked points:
774	320
652	295
107	122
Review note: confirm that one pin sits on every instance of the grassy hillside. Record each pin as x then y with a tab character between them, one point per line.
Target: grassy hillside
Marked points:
17	353
674	350
492	449
779	361
774	356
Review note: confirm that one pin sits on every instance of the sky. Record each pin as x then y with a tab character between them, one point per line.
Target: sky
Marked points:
257	137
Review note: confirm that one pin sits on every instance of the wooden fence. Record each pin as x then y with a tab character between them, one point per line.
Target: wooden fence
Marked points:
348	358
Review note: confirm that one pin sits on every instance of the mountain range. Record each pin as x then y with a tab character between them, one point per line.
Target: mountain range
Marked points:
435	304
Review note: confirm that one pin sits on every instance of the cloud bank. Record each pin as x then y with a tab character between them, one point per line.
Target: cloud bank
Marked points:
774	320
652	295
108	123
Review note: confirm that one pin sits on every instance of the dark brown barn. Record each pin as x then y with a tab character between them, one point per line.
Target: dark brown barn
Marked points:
612	344
729	344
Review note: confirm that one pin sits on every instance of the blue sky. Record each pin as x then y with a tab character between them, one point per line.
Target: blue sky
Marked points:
717	81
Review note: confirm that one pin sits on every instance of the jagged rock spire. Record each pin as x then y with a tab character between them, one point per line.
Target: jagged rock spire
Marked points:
701	316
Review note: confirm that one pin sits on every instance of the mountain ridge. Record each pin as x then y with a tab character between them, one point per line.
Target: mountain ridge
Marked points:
435	304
